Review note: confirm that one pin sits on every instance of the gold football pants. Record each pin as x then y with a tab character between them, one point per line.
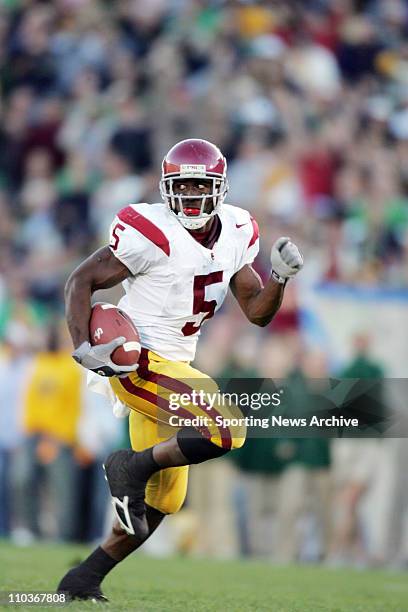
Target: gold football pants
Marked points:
150	392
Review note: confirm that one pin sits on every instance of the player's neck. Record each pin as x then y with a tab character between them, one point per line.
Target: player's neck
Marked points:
210	235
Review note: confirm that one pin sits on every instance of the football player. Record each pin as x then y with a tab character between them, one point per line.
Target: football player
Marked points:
176	260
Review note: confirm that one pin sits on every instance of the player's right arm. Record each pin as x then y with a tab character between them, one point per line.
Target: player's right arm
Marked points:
102	270
129	253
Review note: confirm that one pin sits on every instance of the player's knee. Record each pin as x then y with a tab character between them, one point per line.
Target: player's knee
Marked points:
228	442
237	441
170	505
230	438
196	448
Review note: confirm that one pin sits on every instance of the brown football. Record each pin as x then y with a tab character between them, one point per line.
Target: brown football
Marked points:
109	322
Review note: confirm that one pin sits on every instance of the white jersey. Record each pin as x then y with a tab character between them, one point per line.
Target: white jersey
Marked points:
177	283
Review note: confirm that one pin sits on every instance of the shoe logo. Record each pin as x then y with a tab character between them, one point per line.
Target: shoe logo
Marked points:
240	225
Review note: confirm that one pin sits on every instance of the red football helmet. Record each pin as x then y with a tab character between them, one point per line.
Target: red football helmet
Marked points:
197	159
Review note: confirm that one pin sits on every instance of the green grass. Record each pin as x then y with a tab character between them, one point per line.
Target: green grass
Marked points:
143	584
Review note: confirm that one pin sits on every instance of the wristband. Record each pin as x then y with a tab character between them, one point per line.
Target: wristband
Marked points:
278	278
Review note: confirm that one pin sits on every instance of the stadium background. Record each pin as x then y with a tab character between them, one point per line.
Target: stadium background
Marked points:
309	102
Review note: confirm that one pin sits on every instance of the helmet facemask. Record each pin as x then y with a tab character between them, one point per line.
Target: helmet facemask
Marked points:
179	202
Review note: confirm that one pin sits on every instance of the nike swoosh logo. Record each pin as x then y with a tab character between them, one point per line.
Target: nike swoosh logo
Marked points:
241	225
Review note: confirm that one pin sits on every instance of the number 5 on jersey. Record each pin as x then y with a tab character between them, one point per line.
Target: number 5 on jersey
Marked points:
200	304
115	236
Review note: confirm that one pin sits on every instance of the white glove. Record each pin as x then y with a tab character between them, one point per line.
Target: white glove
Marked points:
286	259
98	358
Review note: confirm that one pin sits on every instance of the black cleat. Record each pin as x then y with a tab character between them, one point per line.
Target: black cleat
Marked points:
76	584
128	493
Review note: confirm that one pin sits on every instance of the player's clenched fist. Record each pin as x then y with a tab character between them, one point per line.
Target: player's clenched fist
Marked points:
286	259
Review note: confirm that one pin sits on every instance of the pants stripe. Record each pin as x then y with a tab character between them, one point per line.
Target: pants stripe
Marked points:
173	384
160	402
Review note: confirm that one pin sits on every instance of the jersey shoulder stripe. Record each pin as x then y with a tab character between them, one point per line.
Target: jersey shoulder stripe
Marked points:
149	230
255	232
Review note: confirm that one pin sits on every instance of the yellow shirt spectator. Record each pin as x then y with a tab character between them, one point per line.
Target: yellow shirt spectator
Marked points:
53	397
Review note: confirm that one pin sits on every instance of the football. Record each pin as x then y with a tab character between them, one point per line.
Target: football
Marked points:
109	322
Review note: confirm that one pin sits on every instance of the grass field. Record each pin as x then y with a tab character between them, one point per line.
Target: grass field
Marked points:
143	584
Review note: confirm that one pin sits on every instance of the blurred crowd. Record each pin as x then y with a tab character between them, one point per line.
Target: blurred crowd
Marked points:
308	101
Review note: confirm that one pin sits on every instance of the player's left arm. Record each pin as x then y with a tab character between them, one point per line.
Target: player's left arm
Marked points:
258	302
